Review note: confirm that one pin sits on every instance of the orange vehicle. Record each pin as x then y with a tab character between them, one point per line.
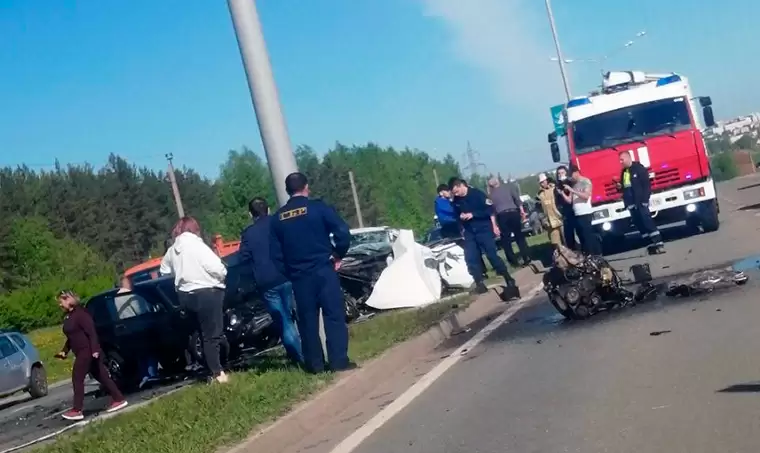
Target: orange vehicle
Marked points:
149	269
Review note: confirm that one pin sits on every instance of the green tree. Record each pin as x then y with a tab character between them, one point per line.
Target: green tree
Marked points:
723	166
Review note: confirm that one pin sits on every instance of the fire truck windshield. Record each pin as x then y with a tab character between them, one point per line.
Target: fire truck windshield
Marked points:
630	124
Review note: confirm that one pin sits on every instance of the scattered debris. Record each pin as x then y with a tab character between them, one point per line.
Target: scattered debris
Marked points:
646	293
706	282
461	331
657	333
641	273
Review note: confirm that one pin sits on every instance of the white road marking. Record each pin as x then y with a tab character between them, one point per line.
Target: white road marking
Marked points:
350	443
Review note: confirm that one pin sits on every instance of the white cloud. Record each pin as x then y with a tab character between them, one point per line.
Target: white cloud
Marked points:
510	40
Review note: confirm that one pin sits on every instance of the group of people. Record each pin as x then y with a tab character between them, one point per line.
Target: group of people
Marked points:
566	204
294	256
468	213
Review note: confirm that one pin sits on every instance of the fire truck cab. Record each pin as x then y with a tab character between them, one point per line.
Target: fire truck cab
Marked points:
656	119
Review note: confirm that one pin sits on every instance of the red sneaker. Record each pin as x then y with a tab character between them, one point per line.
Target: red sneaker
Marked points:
73	414
117	405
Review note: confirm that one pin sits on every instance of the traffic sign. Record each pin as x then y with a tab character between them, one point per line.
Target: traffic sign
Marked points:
558	118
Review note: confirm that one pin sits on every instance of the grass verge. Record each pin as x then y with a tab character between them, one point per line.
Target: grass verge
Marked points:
204	418
48	342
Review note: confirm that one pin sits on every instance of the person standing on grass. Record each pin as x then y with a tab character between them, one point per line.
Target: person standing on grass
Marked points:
82	340
199	276
274	287
510	213
309	240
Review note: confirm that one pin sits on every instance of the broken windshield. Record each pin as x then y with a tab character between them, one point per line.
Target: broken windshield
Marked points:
370	242
631	124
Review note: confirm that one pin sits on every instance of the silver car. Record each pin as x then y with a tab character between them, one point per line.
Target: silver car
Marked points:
20	366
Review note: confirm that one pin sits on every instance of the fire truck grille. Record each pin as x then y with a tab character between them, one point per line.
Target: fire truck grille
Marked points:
662	179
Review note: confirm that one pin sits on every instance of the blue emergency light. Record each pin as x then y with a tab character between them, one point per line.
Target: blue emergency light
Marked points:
668	80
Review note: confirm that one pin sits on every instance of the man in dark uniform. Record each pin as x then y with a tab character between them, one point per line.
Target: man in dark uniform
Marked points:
303	249
637	188
478	224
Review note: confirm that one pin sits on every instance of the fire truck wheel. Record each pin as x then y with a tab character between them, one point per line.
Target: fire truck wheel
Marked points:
710	220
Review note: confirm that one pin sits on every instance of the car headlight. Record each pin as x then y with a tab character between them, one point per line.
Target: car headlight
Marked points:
603	214
234	320
693	193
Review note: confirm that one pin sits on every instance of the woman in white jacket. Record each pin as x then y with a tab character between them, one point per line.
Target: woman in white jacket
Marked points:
199	276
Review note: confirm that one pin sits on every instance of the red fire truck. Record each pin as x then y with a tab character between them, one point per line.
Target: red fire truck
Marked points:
656	119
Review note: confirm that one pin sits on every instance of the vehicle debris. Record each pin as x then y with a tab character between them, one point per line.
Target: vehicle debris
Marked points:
704	282
579	285
657	333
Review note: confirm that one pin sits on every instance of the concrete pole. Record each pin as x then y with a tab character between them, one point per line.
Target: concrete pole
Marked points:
266	103
560	60
435	175
356	199
175	187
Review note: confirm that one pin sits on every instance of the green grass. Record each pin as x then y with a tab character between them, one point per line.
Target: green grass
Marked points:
48	342
203	418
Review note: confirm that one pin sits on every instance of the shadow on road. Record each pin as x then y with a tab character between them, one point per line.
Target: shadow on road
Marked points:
750	387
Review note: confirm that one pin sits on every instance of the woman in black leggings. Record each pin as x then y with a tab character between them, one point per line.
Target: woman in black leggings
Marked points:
199	276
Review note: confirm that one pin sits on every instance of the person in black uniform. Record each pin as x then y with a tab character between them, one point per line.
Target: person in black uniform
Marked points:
302	248
476	216
637	189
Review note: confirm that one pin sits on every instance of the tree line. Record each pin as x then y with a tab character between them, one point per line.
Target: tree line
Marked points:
78	226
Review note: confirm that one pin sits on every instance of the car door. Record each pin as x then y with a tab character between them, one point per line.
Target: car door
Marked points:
134	319
14	372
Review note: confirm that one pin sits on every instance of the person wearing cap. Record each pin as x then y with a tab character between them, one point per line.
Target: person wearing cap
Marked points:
552	218
444	212
509	210
579	195
479	228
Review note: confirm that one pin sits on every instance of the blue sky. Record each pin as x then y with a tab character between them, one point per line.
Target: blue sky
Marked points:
81	79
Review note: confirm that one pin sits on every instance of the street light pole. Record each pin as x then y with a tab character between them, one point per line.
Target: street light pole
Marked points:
266	103
561	61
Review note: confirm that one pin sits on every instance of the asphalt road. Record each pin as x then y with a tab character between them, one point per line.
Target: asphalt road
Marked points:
24	420
668	376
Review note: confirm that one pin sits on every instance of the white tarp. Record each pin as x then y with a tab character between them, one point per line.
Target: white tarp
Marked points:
451	265
411	280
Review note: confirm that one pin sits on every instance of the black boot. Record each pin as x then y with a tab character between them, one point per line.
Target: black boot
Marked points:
511	290
480	288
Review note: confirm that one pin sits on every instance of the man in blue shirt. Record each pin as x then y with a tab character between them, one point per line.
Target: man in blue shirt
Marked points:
444	212
274	287
302	248
479	226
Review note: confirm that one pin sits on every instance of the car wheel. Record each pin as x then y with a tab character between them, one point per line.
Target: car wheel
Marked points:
117	369
710	219
38	385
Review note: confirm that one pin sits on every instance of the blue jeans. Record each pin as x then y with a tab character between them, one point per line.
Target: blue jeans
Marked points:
280	305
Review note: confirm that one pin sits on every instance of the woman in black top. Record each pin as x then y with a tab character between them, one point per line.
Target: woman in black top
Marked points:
83	341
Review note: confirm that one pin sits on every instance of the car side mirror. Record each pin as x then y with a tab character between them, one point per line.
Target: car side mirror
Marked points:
552	137
705	101
555	151
707	112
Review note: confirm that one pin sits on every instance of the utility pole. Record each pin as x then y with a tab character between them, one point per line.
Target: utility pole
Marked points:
560	60
435	175
175	187
266	103
356	199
